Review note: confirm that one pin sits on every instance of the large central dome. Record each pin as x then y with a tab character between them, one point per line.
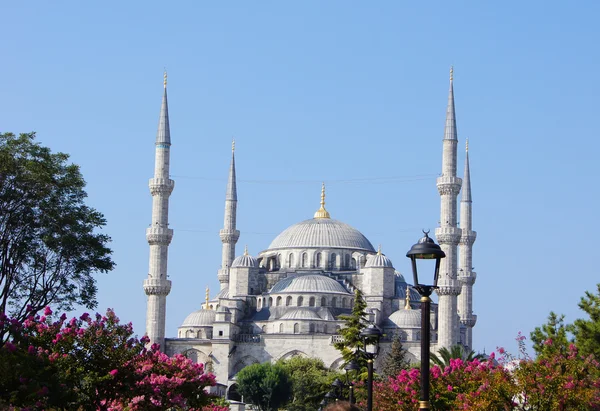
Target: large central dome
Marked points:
321	233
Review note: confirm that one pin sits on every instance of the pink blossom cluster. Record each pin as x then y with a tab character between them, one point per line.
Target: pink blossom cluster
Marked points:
94	362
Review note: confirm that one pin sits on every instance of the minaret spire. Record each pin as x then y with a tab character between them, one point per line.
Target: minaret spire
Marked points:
466	275
321	212
448	234
159	235
229	234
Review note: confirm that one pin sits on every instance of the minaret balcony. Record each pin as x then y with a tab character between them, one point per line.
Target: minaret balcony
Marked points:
161	186
448	235
449	185
468	237
228	236
157	286
469	321
159	235
467	277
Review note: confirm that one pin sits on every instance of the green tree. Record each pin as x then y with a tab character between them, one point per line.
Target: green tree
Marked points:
395	361
49	244
266	386
310	380
353	324
587	331
444	355
551	338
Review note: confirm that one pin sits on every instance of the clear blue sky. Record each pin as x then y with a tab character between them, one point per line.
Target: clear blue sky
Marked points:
340	91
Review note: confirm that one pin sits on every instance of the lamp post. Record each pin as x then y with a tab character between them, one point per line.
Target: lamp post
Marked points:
370	337
322	404
425	249
351	366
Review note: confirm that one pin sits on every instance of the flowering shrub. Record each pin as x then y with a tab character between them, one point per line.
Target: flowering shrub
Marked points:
94	363
562	382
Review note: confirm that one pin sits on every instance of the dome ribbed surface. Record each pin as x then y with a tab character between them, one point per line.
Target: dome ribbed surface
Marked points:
379	260
406	318
245	261
200	318
308	284
321	233
300	314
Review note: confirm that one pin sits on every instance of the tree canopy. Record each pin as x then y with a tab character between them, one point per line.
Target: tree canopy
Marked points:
265	385
444	356
396	360
587	331
352	344
551	338
49	241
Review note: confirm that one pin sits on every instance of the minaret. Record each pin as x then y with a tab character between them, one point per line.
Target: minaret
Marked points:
159	235
466	275
448	234
229	234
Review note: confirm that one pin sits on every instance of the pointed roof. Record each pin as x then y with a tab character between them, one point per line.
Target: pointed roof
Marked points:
231	181
450	129
466	183
163	136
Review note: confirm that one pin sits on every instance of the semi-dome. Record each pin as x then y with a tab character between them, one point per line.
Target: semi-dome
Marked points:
404	318
300	314
401	285
312	283
321	233
200	318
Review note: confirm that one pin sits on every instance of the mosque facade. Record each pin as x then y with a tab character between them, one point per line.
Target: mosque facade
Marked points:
288	299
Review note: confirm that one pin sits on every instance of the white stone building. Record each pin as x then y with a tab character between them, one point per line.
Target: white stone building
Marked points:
287	300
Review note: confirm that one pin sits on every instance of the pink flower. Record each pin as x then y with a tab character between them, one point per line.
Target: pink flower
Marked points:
10	346
47	311
113	372
449	388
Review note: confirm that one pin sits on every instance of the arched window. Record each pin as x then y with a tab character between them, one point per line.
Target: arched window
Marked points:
353	263
311	302
323	302
259	303
344	302
199	334
334	302
190	334
300	301
281	327
278	301
288	301
270	301
311	328
291	260
325	328
264	328
304	260
332	258
347	261
318	260
296	328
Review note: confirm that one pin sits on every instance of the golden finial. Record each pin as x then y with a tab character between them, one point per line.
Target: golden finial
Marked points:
451	73
246	249
165	78
232	145
207	297
379	250
407	306
321	212
467	146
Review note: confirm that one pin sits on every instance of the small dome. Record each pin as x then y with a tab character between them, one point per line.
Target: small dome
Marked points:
399	276
312	283
300	314
224	293
379	260
200	318
321	233
406	318
245	261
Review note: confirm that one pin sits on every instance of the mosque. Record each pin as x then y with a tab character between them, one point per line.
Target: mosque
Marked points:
287	300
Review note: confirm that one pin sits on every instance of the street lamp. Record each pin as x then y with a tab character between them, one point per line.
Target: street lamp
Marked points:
425	249
351	366
370	337
338	385
322	404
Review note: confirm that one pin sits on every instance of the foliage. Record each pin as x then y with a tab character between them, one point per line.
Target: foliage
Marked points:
310	381
587	331
551	338
265	385
396	360
561	382
445	355
351	345
49	247
93	363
